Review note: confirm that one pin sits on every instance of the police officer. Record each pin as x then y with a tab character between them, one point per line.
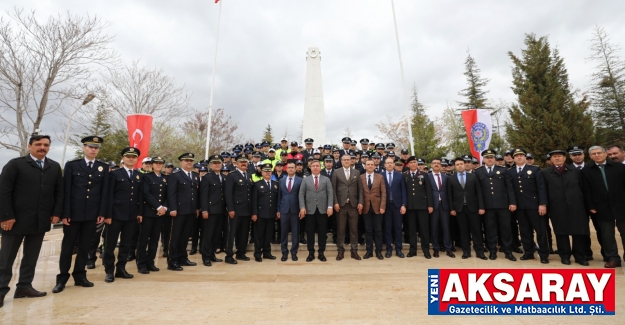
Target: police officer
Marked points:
86	189
364	145
154	210
499	200
347	143
336	158
264	212
379	166
213	210
238	196
183	198
308	151
419	205
125	209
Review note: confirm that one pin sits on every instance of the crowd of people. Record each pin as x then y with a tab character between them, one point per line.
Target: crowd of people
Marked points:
290	194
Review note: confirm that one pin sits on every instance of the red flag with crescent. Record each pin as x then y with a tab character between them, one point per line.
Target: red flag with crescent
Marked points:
139	132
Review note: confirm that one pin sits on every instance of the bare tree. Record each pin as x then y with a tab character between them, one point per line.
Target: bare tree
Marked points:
44	64
347	132
395	131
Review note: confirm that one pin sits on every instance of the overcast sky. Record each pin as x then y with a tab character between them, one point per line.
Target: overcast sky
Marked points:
261	60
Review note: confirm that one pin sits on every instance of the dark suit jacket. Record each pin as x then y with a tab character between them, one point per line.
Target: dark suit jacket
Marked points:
347	188
529	187
125	195
183	193
496	187
397	190
327	174
418	191
374	198
154	193
212	193
471	191
30	195
265	199
288	202
238	193
610	202
442	192
86	190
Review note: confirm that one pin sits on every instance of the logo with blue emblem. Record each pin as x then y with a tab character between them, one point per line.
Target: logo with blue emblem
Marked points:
479	135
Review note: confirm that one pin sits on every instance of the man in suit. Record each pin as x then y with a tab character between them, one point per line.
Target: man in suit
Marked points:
440	214
395	207
31	197
374	196
467	204
531	205
264	212
85	187
419	204
238	196
327	171
213	209
499	201
288	211
604	190
315	203
183	198
126	208
348	200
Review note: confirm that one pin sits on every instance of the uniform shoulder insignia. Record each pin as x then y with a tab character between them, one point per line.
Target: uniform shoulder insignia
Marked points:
75	159
102	161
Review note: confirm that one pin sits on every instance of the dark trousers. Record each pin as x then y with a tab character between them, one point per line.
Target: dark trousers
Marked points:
180	232
316	223
8	252
418	220
302	228
196	232
222	237
514	230
373	230
166	233
498	221
262	239
150	230
347	215
587	242
608	238
135	241
361	228
238	228
454	232
289	223
530	221
83	232
95	242
565	250
550	233
392	227
470	227
211	228
440	217
125	230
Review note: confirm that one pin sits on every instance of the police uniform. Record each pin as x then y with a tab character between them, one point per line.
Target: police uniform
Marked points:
345	151
213	203
85	200
265	208
183	192
125	199
238	196
418	200
154	198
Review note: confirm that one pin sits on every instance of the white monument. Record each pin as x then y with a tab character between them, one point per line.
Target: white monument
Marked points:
314	125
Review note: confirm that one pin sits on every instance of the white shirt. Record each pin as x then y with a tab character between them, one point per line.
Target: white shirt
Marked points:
577	166
128	171
90	161
518	167
43	161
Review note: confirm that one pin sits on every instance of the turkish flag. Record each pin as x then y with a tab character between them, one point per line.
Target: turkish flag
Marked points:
139	132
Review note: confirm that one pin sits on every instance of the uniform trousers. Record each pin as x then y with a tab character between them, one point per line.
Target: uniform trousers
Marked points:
150	230
316	223
392	227
373	230
530	221
514	229
8	252
289	223
497	221
470	227
608	238
166	233
124	230
418	221
179	238
440	217
211	228
565	250
95	243
82	231
238	229
196	232
262	238
347	215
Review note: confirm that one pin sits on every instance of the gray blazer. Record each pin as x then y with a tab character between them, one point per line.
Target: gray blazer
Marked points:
347	188
311	199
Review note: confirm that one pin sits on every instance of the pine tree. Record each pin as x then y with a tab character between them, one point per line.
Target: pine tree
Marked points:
547	115
267	136
426	141
114	140
608	88
474	93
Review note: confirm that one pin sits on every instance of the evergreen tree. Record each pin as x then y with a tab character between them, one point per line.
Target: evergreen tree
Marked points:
114	140
546	116
426	141
475	95
267	136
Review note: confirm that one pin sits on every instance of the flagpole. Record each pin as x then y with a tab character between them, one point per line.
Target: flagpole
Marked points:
403	82
210	102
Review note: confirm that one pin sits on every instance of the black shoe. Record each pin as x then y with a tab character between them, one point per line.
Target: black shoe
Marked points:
589	258
153	268
269	257
493	256
411	254
565	261
466	255
285	257
123	274
187	263
215	259
517	250
526	257
207	263
231	260
131	257
426	255
322	257
83	283
165	254
193	251
294	257
544	260
91	265
310	258
242	258
369	255
510	257
379	255
258	259
482	256
450	254
302	240
28	293
501	249
109	278
582	262
361	242
435	253
400	254
144	270
58	288
174	267
389	254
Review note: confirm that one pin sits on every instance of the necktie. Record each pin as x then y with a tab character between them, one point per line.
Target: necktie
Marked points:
602	169
269	184
90	164
130	174
40	163
412	175
347	174
288	188
316	183
520	169
189	173
369	182
438	179
579	167
490	170
462	179
390	181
